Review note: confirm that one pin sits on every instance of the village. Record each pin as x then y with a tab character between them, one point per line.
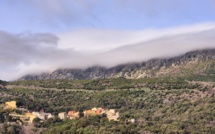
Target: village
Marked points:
28	117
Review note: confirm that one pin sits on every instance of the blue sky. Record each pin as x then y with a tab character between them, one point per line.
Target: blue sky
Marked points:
65	15
39	36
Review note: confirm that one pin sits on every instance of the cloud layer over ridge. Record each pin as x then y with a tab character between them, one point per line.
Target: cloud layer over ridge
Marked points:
25	53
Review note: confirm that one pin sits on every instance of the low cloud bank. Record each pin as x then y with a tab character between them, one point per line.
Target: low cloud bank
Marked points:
25	53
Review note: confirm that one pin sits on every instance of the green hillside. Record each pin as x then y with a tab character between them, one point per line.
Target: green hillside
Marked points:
161	106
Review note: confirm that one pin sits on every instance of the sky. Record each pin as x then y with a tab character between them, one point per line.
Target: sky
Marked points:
42	36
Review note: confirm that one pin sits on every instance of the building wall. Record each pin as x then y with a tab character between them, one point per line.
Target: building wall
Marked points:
62	115
11	104
40	116
32	117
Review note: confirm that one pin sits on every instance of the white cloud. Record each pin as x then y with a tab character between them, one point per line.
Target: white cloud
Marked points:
100	39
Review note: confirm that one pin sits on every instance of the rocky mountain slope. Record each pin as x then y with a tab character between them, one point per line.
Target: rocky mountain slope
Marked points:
200	62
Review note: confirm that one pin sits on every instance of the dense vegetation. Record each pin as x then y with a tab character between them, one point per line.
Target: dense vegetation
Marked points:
11	129
158	105
4	119
101	84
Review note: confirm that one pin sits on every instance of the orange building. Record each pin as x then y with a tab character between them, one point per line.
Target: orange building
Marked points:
93	112
99	112
89	113
73	115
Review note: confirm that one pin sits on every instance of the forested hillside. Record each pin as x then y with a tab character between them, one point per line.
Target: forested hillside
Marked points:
162	106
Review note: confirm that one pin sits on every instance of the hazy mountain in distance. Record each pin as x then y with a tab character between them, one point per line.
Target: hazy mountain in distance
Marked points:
201	62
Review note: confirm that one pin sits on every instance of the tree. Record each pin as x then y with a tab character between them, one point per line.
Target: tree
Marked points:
36	122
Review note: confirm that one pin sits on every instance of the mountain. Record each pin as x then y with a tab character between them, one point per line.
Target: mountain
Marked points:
199	62
2	84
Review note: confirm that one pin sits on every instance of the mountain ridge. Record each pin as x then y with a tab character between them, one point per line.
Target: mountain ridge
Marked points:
191	63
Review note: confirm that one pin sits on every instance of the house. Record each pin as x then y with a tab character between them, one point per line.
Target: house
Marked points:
112	111
100	111
39	115
28	114
112	115
10	105
94	111
62	115
48	115
31	117
131	120
73	115
42	116
89	113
